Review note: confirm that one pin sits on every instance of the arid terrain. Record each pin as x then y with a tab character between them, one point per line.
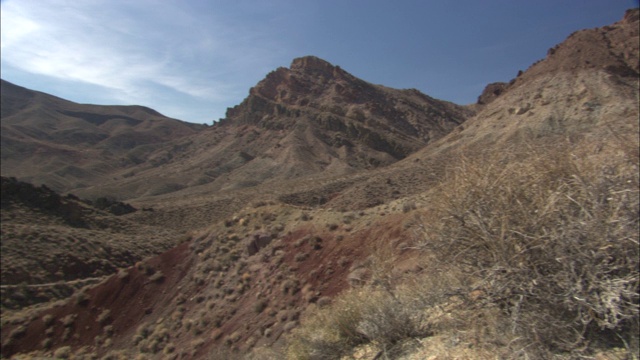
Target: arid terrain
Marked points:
327	217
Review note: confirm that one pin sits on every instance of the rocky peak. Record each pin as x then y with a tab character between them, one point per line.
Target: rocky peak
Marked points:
307	79
631	16
342	110
612	48
311	64
491	92
316	67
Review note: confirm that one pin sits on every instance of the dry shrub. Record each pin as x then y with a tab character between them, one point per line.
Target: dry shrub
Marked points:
120	355
552	236
364	316
62	352
260	305
263	353
18	332
152	340
223	353
47	320
157	277
409	205
104	317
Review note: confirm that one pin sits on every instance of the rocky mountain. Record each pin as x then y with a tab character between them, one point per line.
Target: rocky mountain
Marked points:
329	217
312	118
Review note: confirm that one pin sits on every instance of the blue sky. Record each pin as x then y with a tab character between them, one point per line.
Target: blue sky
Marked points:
191	59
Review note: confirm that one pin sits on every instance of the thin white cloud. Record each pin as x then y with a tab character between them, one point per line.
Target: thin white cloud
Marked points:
130	47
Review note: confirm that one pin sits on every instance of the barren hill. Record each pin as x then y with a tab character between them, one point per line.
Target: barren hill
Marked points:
48	140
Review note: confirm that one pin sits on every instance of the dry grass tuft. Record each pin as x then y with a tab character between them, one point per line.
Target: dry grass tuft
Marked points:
364	316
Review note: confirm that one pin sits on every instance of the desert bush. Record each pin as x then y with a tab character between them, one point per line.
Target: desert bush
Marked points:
157	277
365	316
408	206
323	301
82	298
123	274
152	340
553	238
147	269
62	352
305	217
290	286
18	332
301	256
104	317
68	320
108	330
260	305
142	333
47	320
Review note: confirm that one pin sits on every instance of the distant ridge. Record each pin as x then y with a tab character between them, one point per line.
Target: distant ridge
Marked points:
65	145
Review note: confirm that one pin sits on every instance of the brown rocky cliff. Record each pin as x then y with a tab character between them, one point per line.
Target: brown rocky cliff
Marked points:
308	78
314	89
491	92
613	48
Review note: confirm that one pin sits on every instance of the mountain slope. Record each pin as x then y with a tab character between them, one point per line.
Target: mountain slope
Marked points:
66	145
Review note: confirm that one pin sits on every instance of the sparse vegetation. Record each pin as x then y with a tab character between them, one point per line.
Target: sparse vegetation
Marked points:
545	244
47	320
407	206
104	317
157	277
81	297
364	316
260	305
113	206
68	320
50	248
63	352
301	256
18	332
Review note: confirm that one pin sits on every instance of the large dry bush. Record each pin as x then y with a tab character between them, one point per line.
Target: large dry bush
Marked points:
364	316
551	235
